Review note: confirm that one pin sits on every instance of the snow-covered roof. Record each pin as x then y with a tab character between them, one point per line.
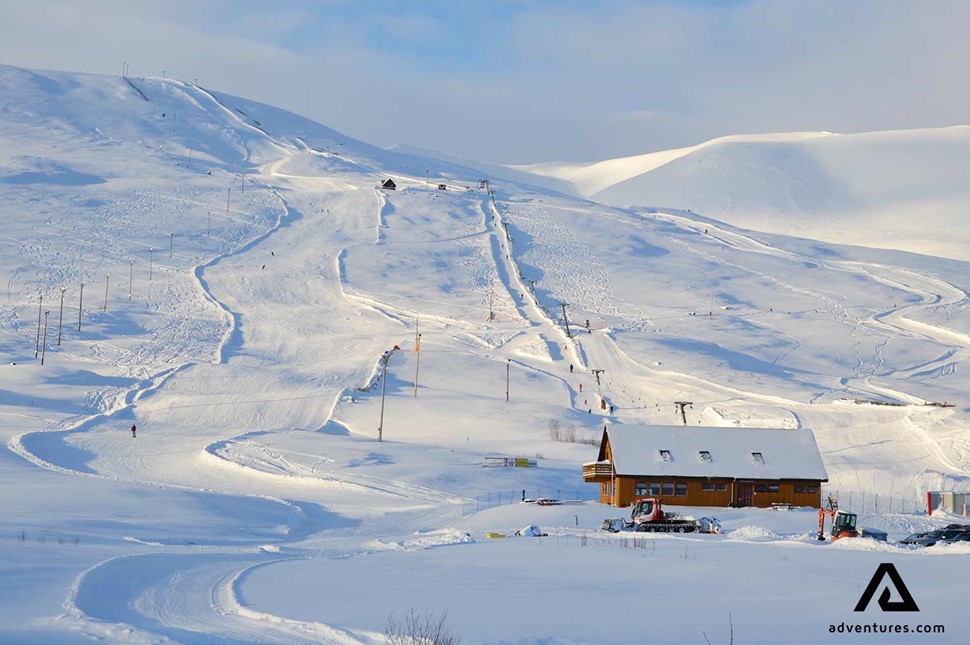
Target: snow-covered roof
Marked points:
686	451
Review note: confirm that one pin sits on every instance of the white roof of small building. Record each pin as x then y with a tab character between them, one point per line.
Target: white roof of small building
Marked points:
739	453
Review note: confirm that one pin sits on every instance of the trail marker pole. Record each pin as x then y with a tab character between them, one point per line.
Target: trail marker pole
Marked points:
80	303
60	322
43	353
151	262
208	222
171	244
107	278
508	370
40	307
131	272
228	193
417	363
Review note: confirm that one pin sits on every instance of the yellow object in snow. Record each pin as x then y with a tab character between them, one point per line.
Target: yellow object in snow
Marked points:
495	535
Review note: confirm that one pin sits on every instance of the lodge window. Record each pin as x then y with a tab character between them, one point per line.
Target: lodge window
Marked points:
640	490
681	490
799	488
812	489
655	489
772	488
761	488
707	486
668	488
607	490
720	487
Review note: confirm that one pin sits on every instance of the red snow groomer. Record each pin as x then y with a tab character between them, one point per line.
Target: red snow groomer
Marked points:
648	515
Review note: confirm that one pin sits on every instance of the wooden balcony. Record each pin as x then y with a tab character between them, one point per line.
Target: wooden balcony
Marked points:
598	471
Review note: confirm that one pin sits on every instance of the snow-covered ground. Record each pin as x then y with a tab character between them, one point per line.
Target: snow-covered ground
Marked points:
258	277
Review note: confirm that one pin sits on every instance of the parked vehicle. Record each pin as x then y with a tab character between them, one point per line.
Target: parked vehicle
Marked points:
952	533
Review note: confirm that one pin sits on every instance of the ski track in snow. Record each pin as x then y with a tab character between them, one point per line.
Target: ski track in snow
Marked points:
191	597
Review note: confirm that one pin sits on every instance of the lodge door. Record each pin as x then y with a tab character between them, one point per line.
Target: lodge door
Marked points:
745	493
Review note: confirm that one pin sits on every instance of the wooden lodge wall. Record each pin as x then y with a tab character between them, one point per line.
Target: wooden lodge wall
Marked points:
684	491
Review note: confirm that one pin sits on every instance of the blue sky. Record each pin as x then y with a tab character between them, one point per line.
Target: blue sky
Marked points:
522	81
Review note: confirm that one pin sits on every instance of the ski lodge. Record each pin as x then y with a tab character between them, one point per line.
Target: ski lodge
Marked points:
704	466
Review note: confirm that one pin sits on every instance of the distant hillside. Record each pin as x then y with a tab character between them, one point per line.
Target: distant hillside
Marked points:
902	190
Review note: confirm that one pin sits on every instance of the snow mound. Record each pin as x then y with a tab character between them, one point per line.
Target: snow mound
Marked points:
751	532
864	544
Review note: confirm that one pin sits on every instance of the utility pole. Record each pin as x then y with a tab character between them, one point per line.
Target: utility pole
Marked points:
80	303
228	193
386	357
599	390
60	322
568	333
131	272
40	307
680	408
171	244
107	278
208	222
417	363
151	262
43	353
508	369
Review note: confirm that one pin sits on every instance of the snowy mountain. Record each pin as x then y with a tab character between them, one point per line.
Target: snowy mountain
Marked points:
252	302
902	190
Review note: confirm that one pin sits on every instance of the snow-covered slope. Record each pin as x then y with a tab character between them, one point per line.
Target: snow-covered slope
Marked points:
903	190
252	303
591	179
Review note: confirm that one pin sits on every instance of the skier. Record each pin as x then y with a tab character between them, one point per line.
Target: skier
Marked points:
580	387
611	409
570	368
133	428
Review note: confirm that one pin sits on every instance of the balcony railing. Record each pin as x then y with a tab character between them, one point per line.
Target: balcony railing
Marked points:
597	471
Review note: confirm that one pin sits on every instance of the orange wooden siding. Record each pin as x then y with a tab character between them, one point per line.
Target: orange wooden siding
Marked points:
691	492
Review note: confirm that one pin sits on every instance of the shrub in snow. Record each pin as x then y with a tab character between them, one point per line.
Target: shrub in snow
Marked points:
418	630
